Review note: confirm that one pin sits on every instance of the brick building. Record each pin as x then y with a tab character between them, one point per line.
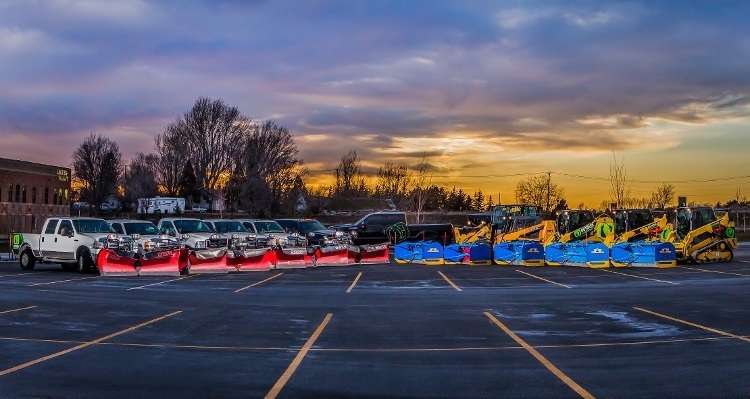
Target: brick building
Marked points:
31	192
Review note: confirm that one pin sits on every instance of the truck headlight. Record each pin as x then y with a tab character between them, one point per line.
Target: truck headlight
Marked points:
214	237
235	236
96	245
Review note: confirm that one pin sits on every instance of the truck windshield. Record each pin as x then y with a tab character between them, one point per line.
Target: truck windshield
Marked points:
268	227
146	229
92	226
307	226
191	226
230	227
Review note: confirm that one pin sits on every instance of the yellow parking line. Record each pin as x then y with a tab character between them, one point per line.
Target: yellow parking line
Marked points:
84	345
62	281
641	277
351	287
543	279
713	271
159	283
258	283
457	288
17	310
543	360
279	385
689	323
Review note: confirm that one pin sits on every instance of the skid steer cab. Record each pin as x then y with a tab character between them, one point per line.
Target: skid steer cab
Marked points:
699	236
641	240
518	233
581	239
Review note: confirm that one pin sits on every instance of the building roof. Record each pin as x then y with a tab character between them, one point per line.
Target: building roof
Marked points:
15	165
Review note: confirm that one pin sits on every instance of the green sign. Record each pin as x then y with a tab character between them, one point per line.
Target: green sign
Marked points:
16	239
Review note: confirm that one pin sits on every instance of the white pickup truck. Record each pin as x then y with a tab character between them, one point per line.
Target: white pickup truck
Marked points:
71	242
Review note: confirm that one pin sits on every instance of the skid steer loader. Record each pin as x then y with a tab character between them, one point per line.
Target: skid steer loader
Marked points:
519	233
641	240
581	239
699	236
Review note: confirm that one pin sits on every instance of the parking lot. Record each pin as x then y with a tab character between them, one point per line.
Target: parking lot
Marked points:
379	331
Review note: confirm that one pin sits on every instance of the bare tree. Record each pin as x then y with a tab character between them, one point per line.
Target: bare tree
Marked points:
139	179
421	182
618	181
97	164
663	196
349	179
539	190
393	181
268	169
212	131
172	153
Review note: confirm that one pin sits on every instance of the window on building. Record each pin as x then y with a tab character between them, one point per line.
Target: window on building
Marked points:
23	194
33	195
46	195
10	193
18	193
54	198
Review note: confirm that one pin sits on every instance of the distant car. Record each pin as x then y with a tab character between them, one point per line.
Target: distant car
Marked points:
314	232
372	228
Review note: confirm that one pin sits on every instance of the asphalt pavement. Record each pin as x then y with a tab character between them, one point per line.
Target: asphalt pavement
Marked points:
379	331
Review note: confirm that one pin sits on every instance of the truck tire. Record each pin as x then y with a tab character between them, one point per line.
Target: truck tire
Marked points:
27	260
83	261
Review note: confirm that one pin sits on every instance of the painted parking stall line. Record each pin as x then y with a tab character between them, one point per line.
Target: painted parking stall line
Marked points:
284	378
543	279
449	281
159	283
354	283
62	281
692	324
17	310
581	391
640	277
85	344
258	283
713	271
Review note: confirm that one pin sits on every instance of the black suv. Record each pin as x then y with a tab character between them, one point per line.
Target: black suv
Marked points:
313	231
374	228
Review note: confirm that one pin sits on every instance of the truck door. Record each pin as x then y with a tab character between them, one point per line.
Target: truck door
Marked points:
48	237
64	244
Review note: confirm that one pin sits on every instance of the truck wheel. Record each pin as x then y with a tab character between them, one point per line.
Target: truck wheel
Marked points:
84	262
27	260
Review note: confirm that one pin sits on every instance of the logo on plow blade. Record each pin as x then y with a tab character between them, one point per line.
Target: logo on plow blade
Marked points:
665	251
597	251
433	250
533	251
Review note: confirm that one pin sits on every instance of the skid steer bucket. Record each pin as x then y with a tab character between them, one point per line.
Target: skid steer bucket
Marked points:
518	253
332	255
373	254
643	254
293	258
584	254
408	252
208	261
432	253
110	263
261	259
163	263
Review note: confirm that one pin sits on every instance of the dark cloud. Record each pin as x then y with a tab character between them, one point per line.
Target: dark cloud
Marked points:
548	75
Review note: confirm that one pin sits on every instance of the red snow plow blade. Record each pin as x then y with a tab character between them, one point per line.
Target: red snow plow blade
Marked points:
290	258
335	255
371	254
208	261
169	262
110	263
249	260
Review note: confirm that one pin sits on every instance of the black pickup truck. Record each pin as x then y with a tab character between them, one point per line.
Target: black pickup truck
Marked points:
373	228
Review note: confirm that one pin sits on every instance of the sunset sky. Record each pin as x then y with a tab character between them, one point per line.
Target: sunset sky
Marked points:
484	89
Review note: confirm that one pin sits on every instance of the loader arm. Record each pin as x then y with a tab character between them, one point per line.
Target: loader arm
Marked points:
467	236
600	229
648	230
541	232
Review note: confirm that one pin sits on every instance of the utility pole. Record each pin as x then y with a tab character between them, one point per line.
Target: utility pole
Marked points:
549	177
